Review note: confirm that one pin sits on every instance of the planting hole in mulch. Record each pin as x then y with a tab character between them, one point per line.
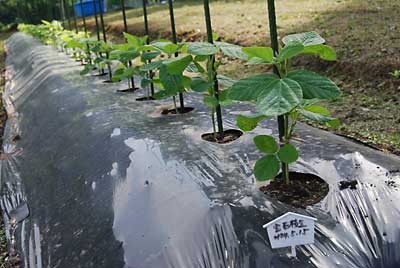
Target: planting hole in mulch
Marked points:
100	74
303	189
173	111
107	82
150	98
127	90
229	136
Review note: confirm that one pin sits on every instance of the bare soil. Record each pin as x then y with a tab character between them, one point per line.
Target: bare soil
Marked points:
229	136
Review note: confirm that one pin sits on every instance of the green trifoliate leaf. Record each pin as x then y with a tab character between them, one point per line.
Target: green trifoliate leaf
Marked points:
315	86
257	61
167	47
161	94
290	50
172	83
178	65
230	50
199	85
249	88
325	52
151	66
288	153
145	82
266	144
248	123
210	101
225	81
135	41
265	53
201	48
266	168
319	114
279	97
317	109
223	98
307	38
149	55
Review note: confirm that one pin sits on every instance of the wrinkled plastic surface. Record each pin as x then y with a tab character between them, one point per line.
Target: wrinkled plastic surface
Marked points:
111	183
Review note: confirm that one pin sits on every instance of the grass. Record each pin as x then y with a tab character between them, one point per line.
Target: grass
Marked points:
363	32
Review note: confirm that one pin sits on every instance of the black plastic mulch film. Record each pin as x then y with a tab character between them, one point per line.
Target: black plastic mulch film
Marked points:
109	182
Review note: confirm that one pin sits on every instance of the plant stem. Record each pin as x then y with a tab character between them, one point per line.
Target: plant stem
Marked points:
285	166
176	108
213	123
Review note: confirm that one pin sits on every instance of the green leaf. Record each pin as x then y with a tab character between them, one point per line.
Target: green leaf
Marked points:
200	58
290	50
215	36
224	99
225	81
279	97
145	82
320	116
210	101
161	94
249	88
266	144
317	109
233	51
266	168
256	61
151	66
325	52
167	47
201	48
149	55
307	38
178	65
288	153
171	82
315	86
199	85
87	69
135	41
265	53
248	123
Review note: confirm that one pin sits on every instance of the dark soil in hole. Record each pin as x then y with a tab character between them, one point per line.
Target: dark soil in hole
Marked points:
173	111
145	98
303	189
229	136
127	90
108	81
348	185
100	74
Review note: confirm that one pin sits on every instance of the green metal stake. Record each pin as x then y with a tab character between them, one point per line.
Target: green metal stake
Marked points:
216	88
74	17
96	20
85	28
146	32
174	39
282	121
104	37
126	30
67	15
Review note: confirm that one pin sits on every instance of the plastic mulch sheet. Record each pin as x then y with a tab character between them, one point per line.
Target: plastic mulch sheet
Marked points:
93	178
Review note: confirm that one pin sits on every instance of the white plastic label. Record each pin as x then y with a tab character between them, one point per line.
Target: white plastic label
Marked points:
291	229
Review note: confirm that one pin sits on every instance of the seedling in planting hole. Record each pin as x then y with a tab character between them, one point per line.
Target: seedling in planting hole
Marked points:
291	93
171	79
206	61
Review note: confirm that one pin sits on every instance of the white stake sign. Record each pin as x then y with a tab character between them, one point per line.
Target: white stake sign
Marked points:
290	230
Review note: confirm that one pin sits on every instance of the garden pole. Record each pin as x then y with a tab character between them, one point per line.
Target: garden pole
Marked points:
174	40
216	91
67	14
74	16
83	16
146	32
126	30
282	121
96	20
275	47
104	36
85	28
